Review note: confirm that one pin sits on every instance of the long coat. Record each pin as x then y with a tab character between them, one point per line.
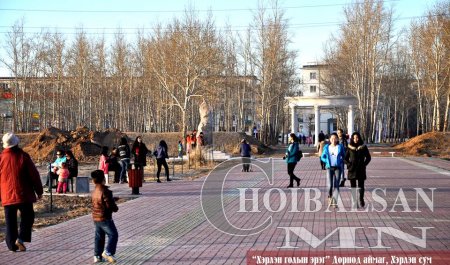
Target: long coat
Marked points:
357	159
141	157
19	178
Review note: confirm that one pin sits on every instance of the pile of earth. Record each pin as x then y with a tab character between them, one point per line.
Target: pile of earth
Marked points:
429	144
86	145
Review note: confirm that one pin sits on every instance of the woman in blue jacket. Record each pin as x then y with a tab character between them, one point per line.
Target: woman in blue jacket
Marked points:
291	159
333	156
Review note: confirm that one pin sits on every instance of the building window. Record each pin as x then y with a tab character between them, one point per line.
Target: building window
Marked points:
4	87
313	75
312	89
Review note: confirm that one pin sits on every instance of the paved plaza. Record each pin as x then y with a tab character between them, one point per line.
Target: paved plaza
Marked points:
167	224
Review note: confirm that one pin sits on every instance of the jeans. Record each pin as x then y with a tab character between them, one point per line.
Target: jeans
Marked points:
333	179
109	228
26	223
342	175
123	172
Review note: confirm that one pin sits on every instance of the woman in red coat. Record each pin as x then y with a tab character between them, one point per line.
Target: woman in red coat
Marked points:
19	184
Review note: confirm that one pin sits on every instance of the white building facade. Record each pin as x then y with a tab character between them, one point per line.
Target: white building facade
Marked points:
311	109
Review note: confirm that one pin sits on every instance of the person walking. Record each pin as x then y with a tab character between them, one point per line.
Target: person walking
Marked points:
19	184
245	151
357	158
161	153
343	141
320	147
103	205
291	159
139	151
333	156
124	159
72	166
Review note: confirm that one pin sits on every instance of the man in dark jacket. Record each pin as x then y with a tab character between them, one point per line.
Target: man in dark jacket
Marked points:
245	151
19	184
103	205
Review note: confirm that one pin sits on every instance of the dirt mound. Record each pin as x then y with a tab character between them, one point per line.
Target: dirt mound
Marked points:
85	144
428	144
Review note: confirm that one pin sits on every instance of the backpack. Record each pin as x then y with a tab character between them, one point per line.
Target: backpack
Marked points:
298	154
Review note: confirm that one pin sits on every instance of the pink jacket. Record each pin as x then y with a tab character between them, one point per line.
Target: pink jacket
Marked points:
102	165
63	174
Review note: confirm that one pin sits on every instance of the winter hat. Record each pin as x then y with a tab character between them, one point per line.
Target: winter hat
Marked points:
9	140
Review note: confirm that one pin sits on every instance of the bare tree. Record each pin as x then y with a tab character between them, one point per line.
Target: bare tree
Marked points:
184	57
274	65
361	49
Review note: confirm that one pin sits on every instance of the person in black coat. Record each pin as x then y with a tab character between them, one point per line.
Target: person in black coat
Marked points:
113	164
245	151
357	158
72	166
139	151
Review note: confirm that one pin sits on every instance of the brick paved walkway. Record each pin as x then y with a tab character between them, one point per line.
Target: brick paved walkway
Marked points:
166	224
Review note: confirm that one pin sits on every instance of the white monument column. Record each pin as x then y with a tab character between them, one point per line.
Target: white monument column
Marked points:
350	120
294	120
316	125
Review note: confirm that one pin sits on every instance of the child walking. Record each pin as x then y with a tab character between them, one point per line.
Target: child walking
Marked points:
63	175
103	205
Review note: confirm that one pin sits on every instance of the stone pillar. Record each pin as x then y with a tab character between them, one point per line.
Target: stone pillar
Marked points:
294	120
316	125
350	120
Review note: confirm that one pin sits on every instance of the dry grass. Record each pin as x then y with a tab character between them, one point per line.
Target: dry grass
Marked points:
428	144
